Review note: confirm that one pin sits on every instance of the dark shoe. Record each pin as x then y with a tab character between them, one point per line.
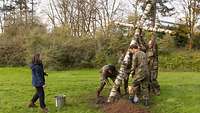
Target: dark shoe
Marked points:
31	105
45	110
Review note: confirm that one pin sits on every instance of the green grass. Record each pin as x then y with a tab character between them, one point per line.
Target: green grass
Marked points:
180	91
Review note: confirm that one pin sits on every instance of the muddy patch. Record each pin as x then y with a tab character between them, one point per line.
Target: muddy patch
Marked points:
121	106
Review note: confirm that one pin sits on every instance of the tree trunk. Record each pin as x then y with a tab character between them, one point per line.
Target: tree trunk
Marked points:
126	60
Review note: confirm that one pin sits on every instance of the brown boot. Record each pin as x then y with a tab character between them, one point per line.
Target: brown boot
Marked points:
45	110
31	105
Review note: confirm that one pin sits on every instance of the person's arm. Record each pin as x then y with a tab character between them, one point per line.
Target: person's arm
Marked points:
134	64
102	84
44	73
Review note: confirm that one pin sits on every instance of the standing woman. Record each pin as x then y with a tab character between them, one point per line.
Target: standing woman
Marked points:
38	81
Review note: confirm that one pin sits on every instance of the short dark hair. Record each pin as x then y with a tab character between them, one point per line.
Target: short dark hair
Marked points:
36	59
133	46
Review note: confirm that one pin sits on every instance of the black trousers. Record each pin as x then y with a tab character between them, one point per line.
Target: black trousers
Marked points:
39	94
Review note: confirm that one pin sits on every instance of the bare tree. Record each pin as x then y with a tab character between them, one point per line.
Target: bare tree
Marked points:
19	11
192	13
107	10
51	14
78	15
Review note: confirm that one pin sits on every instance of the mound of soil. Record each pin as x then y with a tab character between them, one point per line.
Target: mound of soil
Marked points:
123	106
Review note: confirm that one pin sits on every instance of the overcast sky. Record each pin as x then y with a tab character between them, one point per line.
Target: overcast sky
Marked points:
127	7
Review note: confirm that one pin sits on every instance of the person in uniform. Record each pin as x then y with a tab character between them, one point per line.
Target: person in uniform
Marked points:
107	71
152	54
140	75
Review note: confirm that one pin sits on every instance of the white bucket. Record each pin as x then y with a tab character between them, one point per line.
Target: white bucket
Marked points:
60	101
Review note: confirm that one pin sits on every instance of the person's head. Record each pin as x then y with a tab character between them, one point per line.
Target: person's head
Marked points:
133	48
36	59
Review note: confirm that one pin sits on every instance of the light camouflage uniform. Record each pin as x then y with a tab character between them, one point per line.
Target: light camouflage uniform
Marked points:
140	75
153	69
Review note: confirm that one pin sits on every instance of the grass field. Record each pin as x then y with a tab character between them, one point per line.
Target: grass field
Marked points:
180	91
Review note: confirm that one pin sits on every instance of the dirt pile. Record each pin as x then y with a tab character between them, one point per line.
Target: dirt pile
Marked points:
123	106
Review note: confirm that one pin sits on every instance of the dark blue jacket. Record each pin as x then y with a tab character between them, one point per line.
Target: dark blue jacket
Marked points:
37	75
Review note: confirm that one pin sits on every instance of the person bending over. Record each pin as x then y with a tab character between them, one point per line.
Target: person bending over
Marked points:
107	71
